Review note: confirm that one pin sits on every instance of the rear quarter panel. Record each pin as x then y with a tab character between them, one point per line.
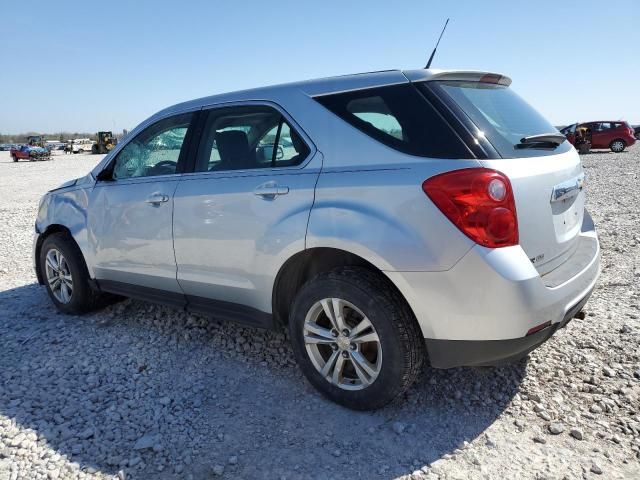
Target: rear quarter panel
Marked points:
382	215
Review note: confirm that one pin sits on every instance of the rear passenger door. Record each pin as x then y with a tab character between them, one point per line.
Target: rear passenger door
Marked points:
244	208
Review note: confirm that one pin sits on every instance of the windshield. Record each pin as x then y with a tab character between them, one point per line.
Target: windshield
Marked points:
503	117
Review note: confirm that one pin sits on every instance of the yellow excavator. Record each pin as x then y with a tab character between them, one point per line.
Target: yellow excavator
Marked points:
105	143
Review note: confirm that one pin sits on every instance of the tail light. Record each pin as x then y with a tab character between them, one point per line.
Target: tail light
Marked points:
478	201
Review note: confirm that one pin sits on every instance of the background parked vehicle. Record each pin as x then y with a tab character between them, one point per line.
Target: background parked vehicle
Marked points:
106	142
31	153
54	145
615	135
36	141
82	145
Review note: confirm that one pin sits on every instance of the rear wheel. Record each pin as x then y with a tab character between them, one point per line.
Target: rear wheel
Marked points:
15	159
65	275
617	146
355	338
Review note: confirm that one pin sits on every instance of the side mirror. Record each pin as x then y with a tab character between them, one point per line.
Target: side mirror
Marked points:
105	175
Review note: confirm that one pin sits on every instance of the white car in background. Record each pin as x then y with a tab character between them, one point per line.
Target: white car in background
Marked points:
81	145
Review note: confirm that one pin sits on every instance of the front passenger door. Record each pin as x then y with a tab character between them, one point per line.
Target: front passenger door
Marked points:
600	134
131	209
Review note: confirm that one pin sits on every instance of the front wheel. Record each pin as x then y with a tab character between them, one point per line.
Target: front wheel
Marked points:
617	146
355	338
15	159
65	275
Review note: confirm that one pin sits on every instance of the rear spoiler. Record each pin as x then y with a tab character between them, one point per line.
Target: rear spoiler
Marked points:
456	75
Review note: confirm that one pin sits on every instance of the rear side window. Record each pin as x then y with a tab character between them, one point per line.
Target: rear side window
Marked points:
248	137
399	117
500	114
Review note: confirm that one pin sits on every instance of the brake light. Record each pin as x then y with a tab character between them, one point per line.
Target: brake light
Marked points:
478	201
491	78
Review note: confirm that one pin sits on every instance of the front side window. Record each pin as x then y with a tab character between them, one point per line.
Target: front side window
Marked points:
399	117
154	151
241	138
602	126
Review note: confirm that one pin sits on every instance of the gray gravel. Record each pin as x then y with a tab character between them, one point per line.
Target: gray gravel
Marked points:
142	391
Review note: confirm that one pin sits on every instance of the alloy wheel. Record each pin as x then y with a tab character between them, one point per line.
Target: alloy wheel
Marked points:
342	344
617	146
59	276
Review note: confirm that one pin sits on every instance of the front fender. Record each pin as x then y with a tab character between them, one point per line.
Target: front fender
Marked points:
67	209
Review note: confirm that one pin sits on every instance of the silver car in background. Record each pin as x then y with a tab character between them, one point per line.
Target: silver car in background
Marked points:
384	218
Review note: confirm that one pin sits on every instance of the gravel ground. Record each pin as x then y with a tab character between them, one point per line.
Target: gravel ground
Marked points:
143	391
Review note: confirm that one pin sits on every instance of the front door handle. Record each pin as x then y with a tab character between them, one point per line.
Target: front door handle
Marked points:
157	198
270	190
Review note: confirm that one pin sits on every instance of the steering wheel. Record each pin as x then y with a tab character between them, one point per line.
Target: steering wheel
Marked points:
165	165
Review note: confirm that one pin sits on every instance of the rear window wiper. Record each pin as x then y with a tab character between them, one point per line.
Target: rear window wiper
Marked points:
541	140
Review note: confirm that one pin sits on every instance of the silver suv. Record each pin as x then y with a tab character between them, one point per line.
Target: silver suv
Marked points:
383	218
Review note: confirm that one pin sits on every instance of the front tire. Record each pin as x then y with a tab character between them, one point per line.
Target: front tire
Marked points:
66	276
617	146
355	338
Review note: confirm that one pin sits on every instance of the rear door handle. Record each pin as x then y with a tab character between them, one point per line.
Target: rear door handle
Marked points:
270	190
157	198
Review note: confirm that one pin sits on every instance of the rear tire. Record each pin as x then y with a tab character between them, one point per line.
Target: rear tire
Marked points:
15	159
65	275
617	146
394	349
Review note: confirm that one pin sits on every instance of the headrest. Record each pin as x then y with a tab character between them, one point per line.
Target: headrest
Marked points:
233	146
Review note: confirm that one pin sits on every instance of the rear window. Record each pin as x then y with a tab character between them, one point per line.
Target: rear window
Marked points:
503	116
399	117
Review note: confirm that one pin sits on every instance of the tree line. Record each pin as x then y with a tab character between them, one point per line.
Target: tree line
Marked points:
60	136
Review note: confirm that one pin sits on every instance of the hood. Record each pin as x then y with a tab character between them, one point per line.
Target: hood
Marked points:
69	183
88	179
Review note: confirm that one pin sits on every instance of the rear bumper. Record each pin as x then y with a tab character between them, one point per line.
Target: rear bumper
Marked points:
480	311
457	353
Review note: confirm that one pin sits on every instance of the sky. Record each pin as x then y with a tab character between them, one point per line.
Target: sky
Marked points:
72	66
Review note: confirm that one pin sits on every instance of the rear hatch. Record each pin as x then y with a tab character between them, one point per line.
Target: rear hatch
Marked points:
544	169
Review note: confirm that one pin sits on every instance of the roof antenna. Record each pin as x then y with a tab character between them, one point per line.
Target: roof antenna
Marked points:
438	43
